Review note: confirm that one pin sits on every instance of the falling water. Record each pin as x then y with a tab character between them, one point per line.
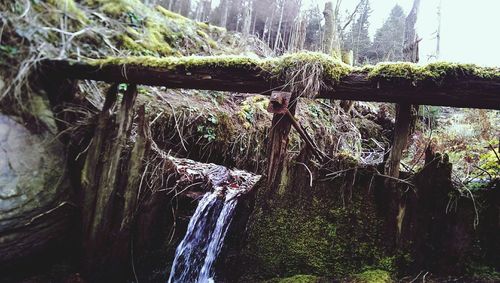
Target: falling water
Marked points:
196	254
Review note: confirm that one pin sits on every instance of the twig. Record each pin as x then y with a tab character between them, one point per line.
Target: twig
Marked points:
423	278
132	258
396	179
495	152
34	218
26	10
187	187
415	279
310	173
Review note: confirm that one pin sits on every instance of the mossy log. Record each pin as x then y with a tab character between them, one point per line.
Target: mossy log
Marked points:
442	84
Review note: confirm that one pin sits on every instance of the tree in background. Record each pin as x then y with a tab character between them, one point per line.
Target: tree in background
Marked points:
331	39
182	7
389	39
357	38
314	30
286	28
203	10
410	47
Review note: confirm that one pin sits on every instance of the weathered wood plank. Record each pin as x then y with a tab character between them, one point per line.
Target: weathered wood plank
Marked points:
460	91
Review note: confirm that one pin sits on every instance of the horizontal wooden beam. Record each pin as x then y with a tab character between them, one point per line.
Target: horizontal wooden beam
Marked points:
451	85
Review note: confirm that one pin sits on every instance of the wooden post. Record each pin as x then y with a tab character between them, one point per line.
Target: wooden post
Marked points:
100	178
404	110
402	131
278	141
400	140
92	168
111	159
135	166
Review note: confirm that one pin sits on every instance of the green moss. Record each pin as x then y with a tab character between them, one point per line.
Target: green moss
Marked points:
443	70
252	108
171	15
156	38
332	69
70	7
112	9
182	62
483	273
117	8
319	230
434	72
296	279
373	276
158	32
401	70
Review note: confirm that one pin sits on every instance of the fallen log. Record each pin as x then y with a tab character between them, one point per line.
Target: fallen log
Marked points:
441	84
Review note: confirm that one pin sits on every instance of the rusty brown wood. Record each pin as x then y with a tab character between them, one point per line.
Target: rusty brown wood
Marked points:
278	142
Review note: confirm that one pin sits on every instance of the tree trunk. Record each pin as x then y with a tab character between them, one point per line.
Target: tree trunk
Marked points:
278	32
247	19
331	44
410	49
224	12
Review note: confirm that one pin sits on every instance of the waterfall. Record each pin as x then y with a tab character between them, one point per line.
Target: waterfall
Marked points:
197	252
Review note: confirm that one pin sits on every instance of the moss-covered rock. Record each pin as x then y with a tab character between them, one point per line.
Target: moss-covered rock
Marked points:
372	276
296	279
330	229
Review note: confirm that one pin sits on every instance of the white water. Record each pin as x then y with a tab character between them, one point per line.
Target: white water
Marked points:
197	252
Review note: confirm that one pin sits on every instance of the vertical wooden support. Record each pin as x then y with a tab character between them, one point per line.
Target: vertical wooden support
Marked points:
400	140
100	176
135	166
404	111
397	201
111	159
348	58
404	119
278	142
92	168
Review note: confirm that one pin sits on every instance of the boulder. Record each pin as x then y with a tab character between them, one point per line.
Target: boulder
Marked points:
34	209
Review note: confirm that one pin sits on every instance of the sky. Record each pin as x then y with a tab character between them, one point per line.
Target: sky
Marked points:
470	30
